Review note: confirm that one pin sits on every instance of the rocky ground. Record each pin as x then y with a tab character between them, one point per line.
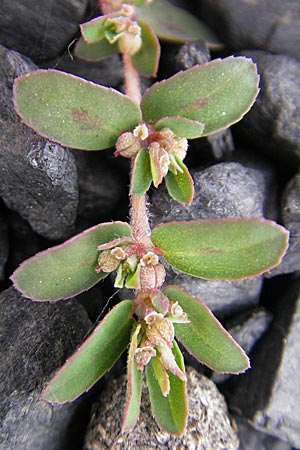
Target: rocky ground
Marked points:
49	193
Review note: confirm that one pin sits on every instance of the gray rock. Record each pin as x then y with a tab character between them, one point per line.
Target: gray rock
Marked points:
268	394
264	24
251	439
40	30
37	178
273	123
208	427
246	329
222	190
291	206
35	339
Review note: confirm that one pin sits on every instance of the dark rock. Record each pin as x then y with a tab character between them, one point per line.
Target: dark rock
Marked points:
222	190
251	439
208	427
103	192
273	123
3	245
40	30
264	25
37	178
246	329
108	72
268	394
36	338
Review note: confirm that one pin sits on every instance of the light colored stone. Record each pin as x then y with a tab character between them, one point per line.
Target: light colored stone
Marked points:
209	426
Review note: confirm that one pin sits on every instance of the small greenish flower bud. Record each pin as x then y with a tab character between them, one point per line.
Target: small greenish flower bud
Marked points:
130	41
160	302
107	262
127	145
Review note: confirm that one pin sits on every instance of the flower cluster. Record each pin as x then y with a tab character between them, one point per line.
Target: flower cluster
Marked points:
166	150
122	28
137	266
157	336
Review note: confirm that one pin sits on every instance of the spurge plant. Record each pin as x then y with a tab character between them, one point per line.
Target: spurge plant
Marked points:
152	130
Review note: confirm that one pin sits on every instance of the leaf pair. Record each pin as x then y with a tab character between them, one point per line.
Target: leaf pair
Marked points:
203	336
218	249
193	103
159	18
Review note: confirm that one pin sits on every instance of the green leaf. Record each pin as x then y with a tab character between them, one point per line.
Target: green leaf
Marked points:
94	357
222	249
216	94
180	186
134	386
95	52
72	111
170	412
181	126
147	58
174	24
141	174
94	30
204	337
69	268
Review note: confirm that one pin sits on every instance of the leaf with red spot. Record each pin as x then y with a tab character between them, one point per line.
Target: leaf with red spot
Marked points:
72	111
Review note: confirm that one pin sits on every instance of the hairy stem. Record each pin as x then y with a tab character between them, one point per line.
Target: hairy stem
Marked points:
138	211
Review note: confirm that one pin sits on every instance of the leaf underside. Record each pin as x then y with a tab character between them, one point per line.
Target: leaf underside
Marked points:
216	94
204	336
170	412
222	249
69	268
141	173
94	357
72	111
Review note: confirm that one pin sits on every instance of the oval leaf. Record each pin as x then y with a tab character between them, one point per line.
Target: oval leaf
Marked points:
170	412
174	24
204	337
134	386
95	52
222	249
141	174
180	186
147	58
181	126
69	268
72	111
94	357
217	94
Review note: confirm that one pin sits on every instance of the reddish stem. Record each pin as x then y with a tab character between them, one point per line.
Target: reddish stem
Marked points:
138	210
